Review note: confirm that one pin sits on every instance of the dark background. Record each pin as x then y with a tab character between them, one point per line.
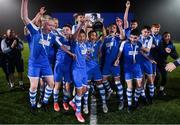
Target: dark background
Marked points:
147	12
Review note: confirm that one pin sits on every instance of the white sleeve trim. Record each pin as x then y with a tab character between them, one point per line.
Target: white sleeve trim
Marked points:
34	26
57	40
150	43
122	46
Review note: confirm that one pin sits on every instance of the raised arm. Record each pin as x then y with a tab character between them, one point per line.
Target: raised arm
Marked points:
24	12
39	15
126	24
75	35
119	23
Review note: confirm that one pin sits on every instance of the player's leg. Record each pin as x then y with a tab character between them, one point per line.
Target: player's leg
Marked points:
150	81
75	103
41	89
116	74
48	77
58	74
103	95
129	94
33	92
33	74
106	73
138	90
128	73
66	95
151	87
85	91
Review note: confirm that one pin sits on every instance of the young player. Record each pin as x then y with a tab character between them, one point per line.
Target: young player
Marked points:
93	69
155	29
62	71
109	51
131	52
38	60
79	71
146	65
133	23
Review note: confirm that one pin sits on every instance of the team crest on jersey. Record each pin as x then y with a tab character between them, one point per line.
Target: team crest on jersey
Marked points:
110	44
44	42
83	51
132	52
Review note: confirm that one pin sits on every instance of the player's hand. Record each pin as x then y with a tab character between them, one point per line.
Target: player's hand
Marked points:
170	67
73	56
42	11
128	4
116	63
168	50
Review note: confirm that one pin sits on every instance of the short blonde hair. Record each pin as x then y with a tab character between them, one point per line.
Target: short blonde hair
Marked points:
46	18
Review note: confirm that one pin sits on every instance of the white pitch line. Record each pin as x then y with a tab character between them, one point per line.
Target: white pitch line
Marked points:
93	113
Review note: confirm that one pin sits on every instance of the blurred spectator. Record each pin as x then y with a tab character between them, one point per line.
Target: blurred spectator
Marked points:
11	46
3	62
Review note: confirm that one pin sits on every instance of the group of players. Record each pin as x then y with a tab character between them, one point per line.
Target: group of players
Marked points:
84	56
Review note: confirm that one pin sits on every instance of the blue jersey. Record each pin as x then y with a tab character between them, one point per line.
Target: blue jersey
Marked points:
92	53
40	46
146	43
110	49
28	38
80	50
131	52
156	40
128	32
61	56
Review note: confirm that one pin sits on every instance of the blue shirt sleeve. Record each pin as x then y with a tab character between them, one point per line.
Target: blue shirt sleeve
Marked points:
33	29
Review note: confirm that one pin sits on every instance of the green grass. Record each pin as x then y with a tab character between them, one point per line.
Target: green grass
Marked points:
14	106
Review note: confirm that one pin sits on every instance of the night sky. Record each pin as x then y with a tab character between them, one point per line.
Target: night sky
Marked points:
147	12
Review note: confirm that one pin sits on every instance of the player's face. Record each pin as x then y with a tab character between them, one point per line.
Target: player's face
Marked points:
119	21
145	32
81	37
66	31
113	29
56	23
134	25
167	37
49	25
93	37
155	30
80	18
133	38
